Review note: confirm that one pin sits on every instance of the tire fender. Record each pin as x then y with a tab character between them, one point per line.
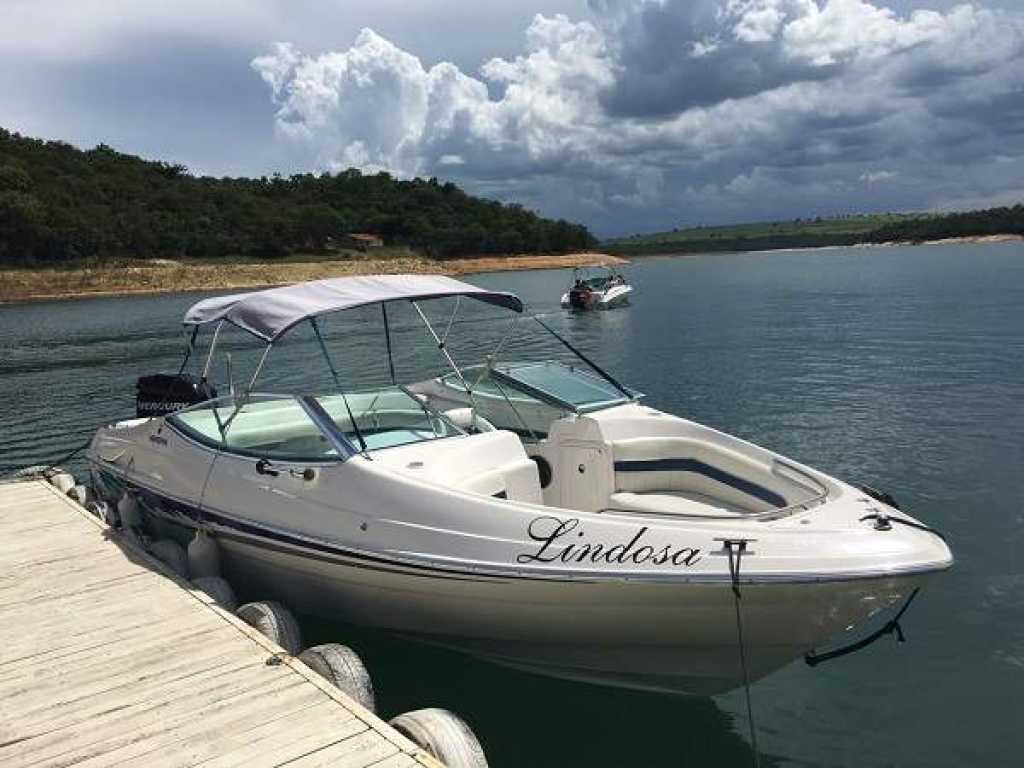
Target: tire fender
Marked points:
275	622
104	512
444	735
342	667
63	481
81	494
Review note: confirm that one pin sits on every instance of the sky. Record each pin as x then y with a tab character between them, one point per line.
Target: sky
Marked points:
626	115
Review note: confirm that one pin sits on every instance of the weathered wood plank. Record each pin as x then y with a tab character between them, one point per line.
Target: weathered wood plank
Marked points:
147	734
106	718
400	760
77	618
357	751
124	653
188	696
296	734
106	659
211	741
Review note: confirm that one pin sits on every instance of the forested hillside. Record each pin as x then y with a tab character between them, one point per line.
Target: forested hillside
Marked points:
59	203
816	233
995	221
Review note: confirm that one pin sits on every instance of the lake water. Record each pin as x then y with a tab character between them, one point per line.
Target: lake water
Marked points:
898	367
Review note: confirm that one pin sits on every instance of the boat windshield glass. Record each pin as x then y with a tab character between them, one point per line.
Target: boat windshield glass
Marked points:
386	418
279	427
553	382
564	383
265	426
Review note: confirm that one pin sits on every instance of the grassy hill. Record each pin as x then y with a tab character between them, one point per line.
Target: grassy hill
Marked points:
813	233
61	204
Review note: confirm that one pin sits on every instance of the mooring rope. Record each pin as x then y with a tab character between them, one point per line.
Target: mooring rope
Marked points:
734	573
891	627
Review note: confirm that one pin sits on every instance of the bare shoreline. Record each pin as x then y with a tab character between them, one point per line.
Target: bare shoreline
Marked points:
966	240
169	276
141	278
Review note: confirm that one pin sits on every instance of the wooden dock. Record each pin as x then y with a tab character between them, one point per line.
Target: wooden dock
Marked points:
106	658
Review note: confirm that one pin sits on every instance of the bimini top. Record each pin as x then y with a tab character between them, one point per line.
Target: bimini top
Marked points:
269	314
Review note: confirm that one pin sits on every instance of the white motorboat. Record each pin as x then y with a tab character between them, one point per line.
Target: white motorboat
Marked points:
600	287
535	513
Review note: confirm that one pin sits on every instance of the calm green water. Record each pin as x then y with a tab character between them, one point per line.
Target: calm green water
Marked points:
903	368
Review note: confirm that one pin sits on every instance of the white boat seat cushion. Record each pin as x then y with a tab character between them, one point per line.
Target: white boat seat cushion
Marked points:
672	503
516	480
671	465
489	463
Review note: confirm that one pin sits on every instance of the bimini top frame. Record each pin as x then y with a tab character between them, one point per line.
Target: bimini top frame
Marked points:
270	314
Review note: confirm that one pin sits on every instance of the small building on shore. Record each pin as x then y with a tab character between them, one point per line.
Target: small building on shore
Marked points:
361	241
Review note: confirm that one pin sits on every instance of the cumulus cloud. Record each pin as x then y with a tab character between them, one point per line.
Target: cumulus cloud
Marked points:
873	177
377	106
655	111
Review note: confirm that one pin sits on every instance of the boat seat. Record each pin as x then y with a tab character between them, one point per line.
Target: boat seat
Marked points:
489	463
672	503
516	480
680	470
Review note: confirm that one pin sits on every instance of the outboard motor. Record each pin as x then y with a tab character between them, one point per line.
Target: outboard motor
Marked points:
163	393
580	298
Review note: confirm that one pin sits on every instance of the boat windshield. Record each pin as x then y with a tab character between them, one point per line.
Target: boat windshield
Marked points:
289	427
385	418
552	382
598	282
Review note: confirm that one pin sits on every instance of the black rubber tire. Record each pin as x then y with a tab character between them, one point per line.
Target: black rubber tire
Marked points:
444	735
81	494
171	554
218	590
63	481
101	510
275	622
35	472
342	668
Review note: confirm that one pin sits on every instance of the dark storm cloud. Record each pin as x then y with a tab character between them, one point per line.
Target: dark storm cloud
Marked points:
679	54
625	114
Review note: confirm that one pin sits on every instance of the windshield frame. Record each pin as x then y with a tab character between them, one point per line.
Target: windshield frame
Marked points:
508	377
429	412
344	449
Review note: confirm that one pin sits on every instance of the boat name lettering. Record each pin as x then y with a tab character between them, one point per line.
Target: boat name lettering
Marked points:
552	532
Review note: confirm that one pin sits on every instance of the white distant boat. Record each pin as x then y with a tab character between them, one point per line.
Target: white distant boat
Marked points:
599	287
534	513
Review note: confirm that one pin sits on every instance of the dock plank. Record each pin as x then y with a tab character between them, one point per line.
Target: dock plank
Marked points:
108	659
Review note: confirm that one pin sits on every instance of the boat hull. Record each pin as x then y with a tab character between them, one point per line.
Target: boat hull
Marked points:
659	636
662	636
613	298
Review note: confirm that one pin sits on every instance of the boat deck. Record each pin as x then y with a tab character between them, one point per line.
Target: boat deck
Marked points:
106	658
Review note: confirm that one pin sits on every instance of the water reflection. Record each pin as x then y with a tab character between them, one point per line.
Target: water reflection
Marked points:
903	368
529	720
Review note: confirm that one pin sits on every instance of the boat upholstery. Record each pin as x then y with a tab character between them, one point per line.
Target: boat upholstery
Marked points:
673	475
489	463
673	503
